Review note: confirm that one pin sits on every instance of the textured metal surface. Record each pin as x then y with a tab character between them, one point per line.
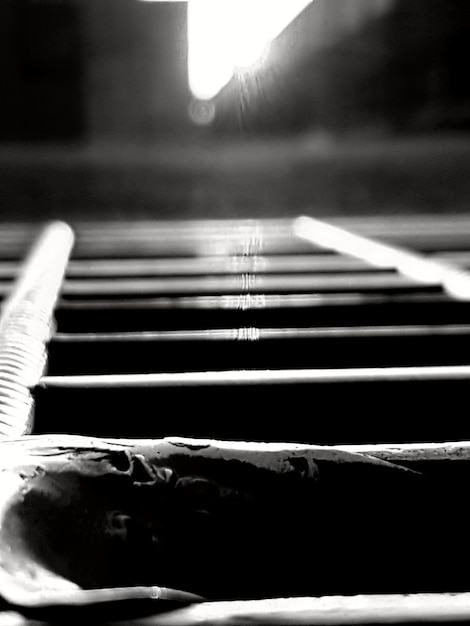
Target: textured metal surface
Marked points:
26	326
129	283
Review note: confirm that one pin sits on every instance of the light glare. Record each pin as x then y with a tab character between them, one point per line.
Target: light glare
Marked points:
225	36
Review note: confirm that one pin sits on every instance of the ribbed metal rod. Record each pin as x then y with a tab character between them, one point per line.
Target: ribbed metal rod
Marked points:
242	283
454	280
404	225
26	326
376	225
225	265
250	301
101	239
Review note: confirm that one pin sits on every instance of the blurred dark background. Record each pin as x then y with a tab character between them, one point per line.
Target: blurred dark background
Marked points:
360	106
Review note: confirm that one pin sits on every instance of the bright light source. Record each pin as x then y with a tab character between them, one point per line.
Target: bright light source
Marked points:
225	36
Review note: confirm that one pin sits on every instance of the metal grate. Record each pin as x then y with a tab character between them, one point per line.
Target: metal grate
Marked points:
215	324
353	333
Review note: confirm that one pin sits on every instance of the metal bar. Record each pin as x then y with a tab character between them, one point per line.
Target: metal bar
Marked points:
147	247
324	611
26	325
454	280
374	224
243	237
424	228
9	269
378	225
261	377
244	283
192	247
405	224
456	257
413	452
206	265
224	265
252	301
252	333
259	310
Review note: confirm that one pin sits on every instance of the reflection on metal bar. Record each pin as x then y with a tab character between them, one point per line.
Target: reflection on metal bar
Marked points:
455	281
26	326
249	301
86	268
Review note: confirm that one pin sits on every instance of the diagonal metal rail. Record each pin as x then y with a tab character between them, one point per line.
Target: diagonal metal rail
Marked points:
26	326
454	280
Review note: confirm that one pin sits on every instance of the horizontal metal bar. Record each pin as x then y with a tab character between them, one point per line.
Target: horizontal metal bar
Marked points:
251	333
456	257
259	310
147	247
201	228
223	265
9	269
373	224
244	283
167	247
398	224
262	377
244	237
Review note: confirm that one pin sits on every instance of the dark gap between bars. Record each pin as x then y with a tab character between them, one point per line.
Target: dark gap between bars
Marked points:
258	348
